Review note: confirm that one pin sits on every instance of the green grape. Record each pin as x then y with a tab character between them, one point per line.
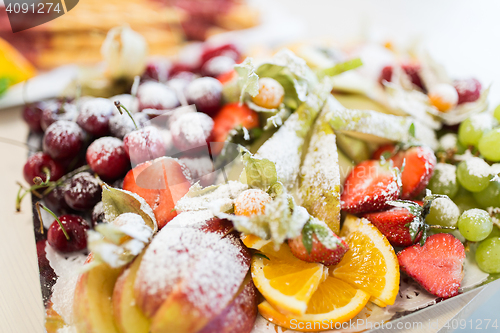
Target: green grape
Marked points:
488	255
461	148
489	145
490	196
464	200
495	232
471	129
496	113
475	224
474	174
443	212
444	180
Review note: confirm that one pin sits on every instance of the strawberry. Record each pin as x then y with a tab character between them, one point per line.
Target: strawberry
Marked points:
437	265
231	116
419	166
393	224
369	186
161	182
318	243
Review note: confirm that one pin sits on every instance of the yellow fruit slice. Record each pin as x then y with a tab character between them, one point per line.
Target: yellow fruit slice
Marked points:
13	65
254	242
333	302
285	281
370	264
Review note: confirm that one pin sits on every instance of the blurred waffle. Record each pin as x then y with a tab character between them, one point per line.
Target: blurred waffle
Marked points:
77	36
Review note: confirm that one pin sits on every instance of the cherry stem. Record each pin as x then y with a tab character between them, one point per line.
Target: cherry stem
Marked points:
38	205
119	106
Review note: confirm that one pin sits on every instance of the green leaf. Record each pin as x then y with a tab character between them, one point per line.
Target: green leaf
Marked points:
116	202
343	67
248	80
262	255
4	85
411	130
324	234
307	237
259	172
414	208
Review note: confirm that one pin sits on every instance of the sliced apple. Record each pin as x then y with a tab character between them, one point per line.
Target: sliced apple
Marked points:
128	317
92	303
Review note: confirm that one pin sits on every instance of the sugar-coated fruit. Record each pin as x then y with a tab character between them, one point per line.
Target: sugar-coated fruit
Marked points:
144	145
155	95
83	192
107	157
121	124
32	115
201	168
217	66
488	255
35	165
443	212
475	224
63	140
206	94
488	145
75	227
55	201
444	97
191	131
469	90
490	196
94	116
57	110
444	180
271	93
98	215
472	129
251	202
474	174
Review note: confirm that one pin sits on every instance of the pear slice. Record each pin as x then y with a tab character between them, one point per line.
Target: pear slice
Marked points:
320	183
356	149
376	127
345	166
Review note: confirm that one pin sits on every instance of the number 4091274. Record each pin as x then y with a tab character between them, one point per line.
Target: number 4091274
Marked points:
35	8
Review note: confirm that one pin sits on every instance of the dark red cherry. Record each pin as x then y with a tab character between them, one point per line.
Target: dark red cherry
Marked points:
191	131
94	116
206	94
83	192
156	70
468	90
55	110
55	201
228	50
76	227
217	66
32	115
63	140
36	164
107	157
155	95
413	71
121	124
144	144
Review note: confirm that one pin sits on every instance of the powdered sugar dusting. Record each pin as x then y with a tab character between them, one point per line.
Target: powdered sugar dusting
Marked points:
194	219
209	267
67	270
222	194
478	167
100	108
61	129
448	141
201	87
283	148
447	174
252	201
101	149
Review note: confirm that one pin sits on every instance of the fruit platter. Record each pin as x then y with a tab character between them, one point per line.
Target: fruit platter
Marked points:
286	191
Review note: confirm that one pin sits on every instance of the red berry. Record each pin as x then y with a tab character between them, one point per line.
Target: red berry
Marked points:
55	110
191	131
63	140
144	145
32	115
155	95
413	71
94	116
83	192
181	68
393	224
107	157
386	74
55	201
206	94
157	70
319	252
419	166
437	266
369	186
121	124
229	117
35	165
217	66
228	50
75	227
468	90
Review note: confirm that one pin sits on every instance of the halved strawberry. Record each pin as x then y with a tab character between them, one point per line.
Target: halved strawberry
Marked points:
393	224
161	182
318	243
437	266
229	117
419	166
369	186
